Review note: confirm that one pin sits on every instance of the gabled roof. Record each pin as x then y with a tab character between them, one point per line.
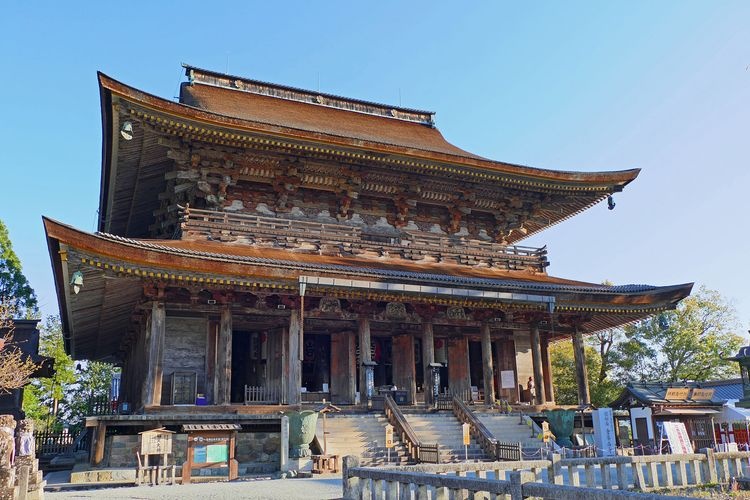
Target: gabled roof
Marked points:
654	393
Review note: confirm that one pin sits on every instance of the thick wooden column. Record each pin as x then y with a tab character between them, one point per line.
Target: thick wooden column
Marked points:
224	357
582	377
536	358
294	362
343	368
547	371
458	365
404	373
488	369
428	357
363	326
155	341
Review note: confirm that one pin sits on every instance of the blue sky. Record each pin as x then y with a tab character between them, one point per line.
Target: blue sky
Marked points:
662	86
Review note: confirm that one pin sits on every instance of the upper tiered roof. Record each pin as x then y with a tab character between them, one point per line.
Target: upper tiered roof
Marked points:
235	112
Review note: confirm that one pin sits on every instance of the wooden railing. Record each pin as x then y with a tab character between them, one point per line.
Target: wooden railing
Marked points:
411	245
262	394
444	400
427	453
492	447
56	443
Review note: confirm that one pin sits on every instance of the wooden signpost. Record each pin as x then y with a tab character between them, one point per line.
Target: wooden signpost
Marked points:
466	428
388	441
210	446
156	442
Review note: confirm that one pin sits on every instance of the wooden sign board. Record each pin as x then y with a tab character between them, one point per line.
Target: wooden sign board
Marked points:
210	446
702	394
156	442
466	428
389	436
677	393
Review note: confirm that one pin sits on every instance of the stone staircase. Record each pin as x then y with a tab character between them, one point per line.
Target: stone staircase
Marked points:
443	428
361	434
506	428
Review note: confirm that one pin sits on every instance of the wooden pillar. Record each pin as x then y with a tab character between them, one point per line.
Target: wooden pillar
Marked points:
224	357
100	436
428	357
458	365
365	355
155	342
582	377
487	366
343	368
547	371
294	367
404	373
536	357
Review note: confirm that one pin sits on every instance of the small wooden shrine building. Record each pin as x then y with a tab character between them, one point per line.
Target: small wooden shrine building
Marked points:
261	243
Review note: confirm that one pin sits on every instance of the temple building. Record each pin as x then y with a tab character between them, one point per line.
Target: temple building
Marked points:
262	244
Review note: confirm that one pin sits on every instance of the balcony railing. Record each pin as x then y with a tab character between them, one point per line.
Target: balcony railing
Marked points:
342	239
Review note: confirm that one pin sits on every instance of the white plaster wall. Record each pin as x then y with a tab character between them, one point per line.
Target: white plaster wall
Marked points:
641	413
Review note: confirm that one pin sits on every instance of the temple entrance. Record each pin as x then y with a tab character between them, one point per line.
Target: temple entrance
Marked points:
249	363
476	368
382	354
316	365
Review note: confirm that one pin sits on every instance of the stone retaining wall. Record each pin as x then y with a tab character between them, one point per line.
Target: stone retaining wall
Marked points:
252	447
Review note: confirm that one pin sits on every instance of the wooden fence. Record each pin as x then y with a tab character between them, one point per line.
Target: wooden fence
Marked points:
608	477
262	394
56	443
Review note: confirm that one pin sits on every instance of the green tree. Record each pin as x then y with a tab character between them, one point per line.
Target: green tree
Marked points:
45	399
602	392
687	343
94	382
14	287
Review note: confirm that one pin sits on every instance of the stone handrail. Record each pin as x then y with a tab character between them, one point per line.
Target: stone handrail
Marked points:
597	477
366	483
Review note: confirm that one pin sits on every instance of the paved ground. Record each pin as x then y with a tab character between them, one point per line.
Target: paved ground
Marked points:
318	488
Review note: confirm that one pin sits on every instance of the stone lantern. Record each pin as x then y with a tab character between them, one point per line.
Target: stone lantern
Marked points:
743	358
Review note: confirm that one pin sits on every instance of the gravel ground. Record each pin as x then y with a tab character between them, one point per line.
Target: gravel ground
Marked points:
265	489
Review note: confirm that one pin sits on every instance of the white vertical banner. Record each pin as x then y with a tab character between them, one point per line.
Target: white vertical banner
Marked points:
604	432
679	441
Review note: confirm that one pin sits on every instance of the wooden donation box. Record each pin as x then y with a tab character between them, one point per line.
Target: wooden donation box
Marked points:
210	446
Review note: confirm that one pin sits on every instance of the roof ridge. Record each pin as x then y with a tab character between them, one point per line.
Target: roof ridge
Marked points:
279	91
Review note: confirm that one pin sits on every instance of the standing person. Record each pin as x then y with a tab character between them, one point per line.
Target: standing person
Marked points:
532	390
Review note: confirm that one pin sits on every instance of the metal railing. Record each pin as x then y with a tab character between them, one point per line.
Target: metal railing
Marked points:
426	453
411	245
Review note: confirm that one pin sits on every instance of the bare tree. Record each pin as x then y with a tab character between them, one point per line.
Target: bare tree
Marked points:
16	366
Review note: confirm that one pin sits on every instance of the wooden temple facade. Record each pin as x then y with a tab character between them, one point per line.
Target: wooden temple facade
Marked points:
264	244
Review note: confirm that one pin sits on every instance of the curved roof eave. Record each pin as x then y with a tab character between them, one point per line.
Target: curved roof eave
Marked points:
171	254
614	179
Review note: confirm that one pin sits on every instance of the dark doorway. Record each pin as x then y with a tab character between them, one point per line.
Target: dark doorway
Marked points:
641	428
476	370
316	366
382	355
249	362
